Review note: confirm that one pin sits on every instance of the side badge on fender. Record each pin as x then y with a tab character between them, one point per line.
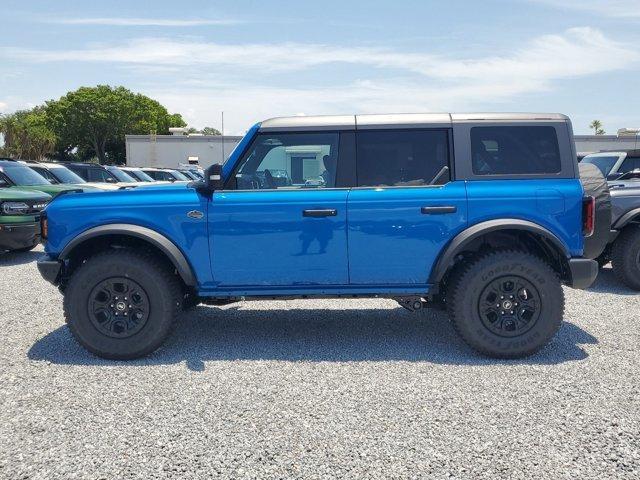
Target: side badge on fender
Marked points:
195	214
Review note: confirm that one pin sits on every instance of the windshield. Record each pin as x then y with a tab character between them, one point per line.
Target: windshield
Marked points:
605	164
64	175
140	175
21	175
179	176
120	174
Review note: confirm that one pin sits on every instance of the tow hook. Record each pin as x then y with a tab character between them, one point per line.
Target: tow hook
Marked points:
412	304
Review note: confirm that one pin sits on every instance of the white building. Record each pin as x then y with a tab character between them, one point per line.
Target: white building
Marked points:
178	149
626	139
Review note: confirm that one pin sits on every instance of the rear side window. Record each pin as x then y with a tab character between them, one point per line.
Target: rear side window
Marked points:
402	157
515	150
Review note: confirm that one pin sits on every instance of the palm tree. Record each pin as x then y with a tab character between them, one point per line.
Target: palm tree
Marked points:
597	127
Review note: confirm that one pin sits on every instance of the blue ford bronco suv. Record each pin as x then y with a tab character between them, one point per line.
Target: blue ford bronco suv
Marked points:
484	214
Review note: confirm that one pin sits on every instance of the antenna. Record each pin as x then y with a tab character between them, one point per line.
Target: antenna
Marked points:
223	159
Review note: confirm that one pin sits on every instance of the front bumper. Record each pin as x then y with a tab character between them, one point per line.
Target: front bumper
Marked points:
49	269
18	236
583	272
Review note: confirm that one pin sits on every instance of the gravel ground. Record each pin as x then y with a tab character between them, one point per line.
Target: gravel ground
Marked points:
317	389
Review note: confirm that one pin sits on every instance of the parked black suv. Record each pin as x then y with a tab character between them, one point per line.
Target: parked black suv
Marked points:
92	172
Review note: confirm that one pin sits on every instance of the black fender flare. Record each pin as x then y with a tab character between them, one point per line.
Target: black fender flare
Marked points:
173	253
624	220
465	237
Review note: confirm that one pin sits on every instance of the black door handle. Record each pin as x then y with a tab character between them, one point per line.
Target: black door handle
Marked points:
328	212
438	210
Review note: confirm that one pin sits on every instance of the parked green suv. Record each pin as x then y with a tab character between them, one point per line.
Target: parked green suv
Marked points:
17	174
20	217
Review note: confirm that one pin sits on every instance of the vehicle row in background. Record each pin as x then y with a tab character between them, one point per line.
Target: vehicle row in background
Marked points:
623	250
616	165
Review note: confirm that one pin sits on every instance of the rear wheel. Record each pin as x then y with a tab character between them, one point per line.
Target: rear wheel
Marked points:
625	257
121	304
506	304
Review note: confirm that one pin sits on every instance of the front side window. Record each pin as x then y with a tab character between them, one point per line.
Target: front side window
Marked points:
402	157
520	150
289	160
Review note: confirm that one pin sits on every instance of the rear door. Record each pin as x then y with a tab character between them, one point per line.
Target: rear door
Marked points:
405	207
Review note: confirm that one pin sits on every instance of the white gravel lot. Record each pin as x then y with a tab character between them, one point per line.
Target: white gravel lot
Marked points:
317	389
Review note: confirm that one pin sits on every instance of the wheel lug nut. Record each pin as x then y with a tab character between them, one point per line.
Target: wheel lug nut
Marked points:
509	312
111	305
501	313
501	297
116	314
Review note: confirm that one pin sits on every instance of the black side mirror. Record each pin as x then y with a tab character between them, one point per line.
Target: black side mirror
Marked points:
214	178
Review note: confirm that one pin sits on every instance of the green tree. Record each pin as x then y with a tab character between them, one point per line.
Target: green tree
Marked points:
210	131
597	127
94	121
27	135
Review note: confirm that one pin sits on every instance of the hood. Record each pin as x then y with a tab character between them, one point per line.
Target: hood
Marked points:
15	194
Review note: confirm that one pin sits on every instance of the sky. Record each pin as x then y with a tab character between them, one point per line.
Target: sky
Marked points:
260	59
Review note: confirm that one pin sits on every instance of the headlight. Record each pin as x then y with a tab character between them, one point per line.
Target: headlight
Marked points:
14	208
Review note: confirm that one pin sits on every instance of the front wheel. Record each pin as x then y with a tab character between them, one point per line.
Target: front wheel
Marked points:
506	304
121	304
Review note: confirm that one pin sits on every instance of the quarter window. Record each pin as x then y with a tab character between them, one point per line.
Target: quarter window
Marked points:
402	157
515	150
289	160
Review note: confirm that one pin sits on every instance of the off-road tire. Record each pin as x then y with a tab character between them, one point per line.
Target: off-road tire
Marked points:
466	289
625	257
160	285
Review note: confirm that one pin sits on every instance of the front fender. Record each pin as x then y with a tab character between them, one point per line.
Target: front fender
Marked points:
173	253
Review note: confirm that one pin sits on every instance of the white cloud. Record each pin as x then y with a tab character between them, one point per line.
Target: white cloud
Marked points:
254	86
141	22
610	8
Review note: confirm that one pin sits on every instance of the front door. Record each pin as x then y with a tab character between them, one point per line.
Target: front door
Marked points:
405	208
280	220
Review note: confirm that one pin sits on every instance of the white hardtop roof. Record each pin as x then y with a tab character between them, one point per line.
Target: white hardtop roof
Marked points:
345	122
